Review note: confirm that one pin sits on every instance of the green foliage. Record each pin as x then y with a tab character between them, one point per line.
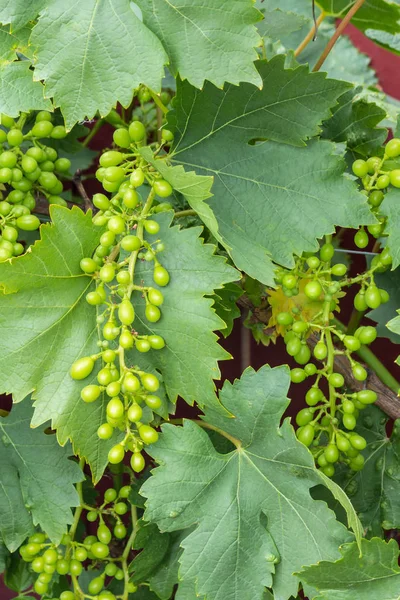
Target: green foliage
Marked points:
270	465
356	577
18	91
36	480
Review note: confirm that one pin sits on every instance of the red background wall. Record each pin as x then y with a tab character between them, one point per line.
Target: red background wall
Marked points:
240	344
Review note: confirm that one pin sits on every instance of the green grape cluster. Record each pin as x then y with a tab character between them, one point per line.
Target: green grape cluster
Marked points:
112	267
377	174
47	560
326	425
27	166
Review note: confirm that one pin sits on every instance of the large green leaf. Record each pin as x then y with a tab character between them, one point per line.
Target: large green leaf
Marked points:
18	576
19	12
373	14
270	200
154	546
207	39
47	324
247	503
36	480
356	123
91	67
3	557
18	91
390	208
375	491
375	574
188	363
278	23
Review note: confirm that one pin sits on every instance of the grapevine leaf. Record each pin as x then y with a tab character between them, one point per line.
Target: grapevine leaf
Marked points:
390	208
18	91
246	503
195	188
373	14
258	209
187	591
386	39
154	547
19	12
375	574
389	281
47	325
188	363
226	307
207	39
10	43
18	576
355	122
162	582
91	67
278	23
394	327
3	557
36	480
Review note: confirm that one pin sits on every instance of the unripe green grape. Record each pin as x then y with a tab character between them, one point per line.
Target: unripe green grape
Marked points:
107	273
93	298
320	351
123	277
137	131
113	388
17	175
90	393
156	342
7	121
104	376
358	442
153	402
111	186
148	434
114	174
42	129
293	346
62	165
321	461
137	462
130	198
122	138
342	443
8	159
104	534
359	373
15	137
372	297
80	553
382	182
137	178
284	318
152	313
163	207
67	595
134	413
359	302
155	297
339	270
313	396
300	326
376	230
152	227
105	431
313	262
392	148
125	491
82	368
126	312
360	168
18	249
10	234
101	201
289	281
306	435
131	243
120	508
115	408
58	132
349	421
116	225
367	396
92	516
329	470
111	158
142	345
57	200
326	252
385	257
161	276
131	383
351	343
384	296
304	416
313	290
75	567
5	208
120	531
110	331
116	454
88	265
99	550
110	569
336	380
348	407
62	566
126	340
40	587
37	565
5	254
331	453
5	175
162	188
119	575
303	355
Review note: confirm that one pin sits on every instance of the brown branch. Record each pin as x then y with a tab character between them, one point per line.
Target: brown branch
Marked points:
343	24
388	401
77	181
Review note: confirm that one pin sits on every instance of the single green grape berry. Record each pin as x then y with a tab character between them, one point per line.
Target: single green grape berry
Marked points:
75	567
110	569
313	290
297	375
304	416
62	165
358	442
293	346
15	137
134	413
137	178
88	265
116	225
81	554
62	566
303	355
142	345
161	276
373	164
326	252
349	421
116	454
92	516
342	443
392	148
152	227
306	435
82	368
384	296
90	393
331	453
367	396
115	408
329	470
126	312
300	326
40	587
395	177
105	431
382	182
313	262
121	508
103	534
339	270
153	402
348	407
376	230
137	462
137	131
351	343
372	297
156	342
150	382
120	531
28	222
320	351
385	257
109	496
152	313
37	565
284	318
101	201
122	138
148	434
321	461
361	238
359	301
313	396
111	158
289	281
99	550
359	373
130	198
310	369
375	198
360	168
162	188
96	585
336	380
